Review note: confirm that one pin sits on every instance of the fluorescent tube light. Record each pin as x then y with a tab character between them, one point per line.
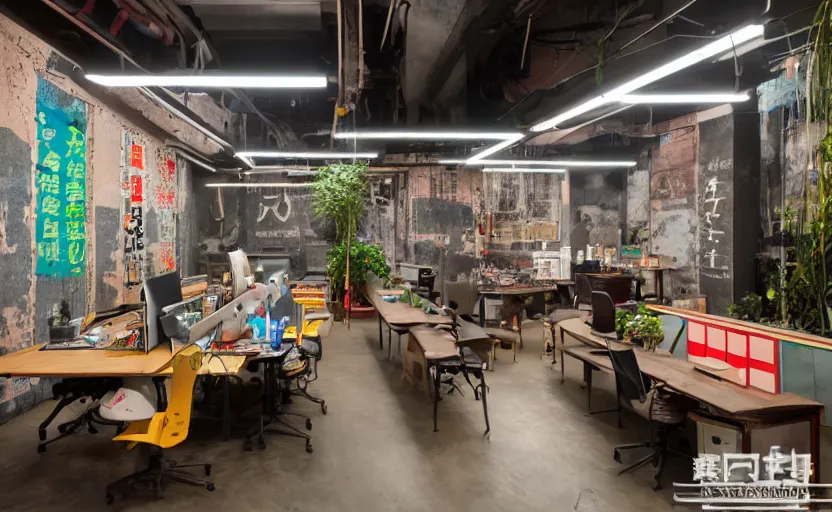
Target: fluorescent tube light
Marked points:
634	99
710	50
522	169
493	149
277	169
258	185
426	135
211	81
311	155
551	163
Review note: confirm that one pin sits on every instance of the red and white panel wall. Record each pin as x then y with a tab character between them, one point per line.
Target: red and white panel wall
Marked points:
747	358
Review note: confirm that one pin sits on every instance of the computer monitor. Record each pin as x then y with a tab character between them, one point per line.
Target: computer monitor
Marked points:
159	291
240	271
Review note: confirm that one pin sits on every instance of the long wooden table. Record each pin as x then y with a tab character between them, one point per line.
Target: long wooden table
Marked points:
746	408
34	362
399	316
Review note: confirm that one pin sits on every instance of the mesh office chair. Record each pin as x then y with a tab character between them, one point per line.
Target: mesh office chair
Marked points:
583	292
279	373
665	411
603	315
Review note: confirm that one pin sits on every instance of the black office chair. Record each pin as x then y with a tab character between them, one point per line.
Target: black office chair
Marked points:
279	374
665	411
424	284
603	315
87	391
583	292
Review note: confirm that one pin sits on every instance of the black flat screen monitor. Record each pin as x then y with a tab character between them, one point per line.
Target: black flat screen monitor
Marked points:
159	291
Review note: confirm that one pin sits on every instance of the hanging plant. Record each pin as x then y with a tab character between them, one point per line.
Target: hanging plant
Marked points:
808	288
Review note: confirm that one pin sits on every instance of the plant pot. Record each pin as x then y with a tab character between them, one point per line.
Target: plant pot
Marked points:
359	311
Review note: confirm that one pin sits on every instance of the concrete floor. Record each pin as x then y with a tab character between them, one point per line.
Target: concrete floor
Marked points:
375	449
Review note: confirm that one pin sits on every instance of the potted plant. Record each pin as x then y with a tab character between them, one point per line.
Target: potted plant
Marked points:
364	258
340	193
643	328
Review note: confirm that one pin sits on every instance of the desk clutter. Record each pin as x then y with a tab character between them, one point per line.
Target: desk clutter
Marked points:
141	367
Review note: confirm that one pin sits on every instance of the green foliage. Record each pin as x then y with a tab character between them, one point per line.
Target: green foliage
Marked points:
645	330
340	192
750	308
622	317
364	258
643	327
807	288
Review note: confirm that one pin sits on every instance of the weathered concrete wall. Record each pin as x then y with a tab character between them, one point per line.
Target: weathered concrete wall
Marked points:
26	300
442	208
526	207
673	216
638	198
600	196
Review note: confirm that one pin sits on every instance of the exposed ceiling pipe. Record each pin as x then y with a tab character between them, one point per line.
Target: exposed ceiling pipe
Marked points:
146	92
360	46
340	100
657	25
387	23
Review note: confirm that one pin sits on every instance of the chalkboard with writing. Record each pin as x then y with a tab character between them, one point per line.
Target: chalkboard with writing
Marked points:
716	211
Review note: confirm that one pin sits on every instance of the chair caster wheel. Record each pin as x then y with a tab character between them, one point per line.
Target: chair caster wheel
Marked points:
657	486
42	435
41	448
92	430
308	448
210	487
308	424
323	408
616	455
62	429
261	443
109	499
208	470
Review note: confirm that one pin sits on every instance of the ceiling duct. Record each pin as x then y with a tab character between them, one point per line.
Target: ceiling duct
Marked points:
254	17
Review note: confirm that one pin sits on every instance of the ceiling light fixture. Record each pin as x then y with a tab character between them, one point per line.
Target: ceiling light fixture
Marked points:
551	163
542	170
277	169
715	48
635	99
312	155
384	135
258	185
496	148
211	81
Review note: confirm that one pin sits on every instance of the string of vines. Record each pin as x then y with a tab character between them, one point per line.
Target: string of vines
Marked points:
808	287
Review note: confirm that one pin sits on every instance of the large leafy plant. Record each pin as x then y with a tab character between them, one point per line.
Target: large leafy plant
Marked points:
643	328
364	258
339	194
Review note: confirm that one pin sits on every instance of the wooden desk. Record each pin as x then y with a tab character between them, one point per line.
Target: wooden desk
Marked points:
744	407
33	362
399	316
78	363
511	291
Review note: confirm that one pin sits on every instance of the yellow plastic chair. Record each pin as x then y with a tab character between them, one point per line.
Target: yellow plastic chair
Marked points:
166	429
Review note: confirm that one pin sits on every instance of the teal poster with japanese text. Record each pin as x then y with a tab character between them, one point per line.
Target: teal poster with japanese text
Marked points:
60	182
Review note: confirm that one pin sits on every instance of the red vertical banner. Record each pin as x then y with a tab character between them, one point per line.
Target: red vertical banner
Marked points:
136	156
135	189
